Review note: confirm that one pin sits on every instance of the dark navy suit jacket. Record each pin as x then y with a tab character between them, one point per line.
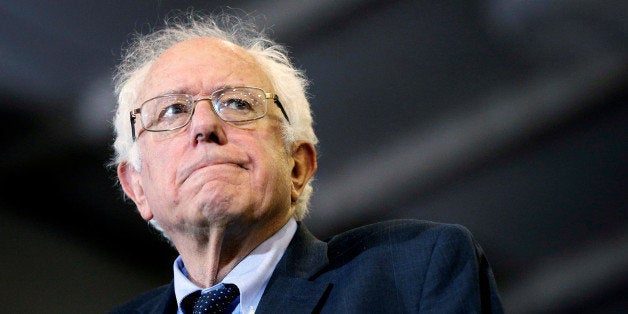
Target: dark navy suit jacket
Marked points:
397	266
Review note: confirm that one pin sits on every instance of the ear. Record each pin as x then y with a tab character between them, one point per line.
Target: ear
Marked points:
304	156
132	186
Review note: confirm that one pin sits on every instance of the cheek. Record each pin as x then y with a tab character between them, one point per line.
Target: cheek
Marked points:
158	170
154	187
157	166
274	176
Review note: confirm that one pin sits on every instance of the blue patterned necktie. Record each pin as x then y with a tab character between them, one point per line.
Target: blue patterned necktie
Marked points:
217	301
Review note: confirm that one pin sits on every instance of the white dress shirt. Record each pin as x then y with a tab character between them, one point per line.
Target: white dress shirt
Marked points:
251	275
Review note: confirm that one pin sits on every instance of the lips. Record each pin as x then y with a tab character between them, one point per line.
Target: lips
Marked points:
205	166
209	160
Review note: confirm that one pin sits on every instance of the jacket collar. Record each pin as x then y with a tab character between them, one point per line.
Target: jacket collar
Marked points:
291	285
161	303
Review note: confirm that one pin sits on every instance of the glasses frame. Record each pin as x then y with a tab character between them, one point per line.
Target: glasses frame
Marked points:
133	113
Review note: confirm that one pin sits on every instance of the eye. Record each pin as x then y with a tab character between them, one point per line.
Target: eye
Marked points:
237	104
173	110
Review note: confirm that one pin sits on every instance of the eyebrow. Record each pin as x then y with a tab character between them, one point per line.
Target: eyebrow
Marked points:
188	91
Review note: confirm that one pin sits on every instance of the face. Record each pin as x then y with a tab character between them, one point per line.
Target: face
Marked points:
210	173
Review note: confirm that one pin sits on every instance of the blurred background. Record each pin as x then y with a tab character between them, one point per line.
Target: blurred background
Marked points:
508	117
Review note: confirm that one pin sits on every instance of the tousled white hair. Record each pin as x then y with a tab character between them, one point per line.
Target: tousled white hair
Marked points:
288	82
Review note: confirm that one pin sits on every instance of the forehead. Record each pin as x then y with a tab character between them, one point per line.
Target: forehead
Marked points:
200	66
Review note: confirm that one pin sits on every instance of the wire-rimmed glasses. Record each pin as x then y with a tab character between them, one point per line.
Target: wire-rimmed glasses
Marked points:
236	105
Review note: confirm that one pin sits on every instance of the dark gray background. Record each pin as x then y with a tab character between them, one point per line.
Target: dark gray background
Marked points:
508	117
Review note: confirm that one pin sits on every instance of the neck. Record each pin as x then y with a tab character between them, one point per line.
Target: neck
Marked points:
209	258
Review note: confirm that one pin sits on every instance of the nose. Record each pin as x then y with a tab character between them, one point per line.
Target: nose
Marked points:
205	125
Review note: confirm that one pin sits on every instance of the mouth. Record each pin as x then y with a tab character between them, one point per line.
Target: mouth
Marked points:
217	164
224	164
187	172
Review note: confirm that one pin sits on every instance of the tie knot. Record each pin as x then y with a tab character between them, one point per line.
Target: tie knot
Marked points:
217	301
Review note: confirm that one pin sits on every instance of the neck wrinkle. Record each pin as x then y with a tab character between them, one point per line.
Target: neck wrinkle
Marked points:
209	259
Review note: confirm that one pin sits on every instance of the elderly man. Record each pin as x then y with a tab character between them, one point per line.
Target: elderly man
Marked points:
215	146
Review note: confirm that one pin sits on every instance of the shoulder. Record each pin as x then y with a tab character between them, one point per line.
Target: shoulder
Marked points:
400	230
431	264
159	297
406	236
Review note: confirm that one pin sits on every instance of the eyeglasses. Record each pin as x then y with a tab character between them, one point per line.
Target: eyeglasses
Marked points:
236	105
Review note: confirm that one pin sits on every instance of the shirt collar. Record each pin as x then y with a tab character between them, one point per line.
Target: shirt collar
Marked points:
250	275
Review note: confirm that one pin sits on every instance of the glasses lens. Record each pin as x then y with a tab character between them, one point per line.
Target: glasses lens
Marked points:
166	112
239	104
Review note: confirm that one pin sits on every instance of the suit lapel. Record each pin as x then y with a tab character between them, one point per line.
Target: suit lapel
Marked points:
290	288
163	303
292	295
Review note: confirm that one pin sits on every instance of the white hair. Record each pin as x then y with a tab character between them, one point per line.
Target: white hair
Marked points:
288	82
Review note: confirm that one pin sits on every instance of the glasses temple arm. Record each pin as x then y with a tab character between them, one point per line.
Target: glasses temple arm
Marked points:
278	103
132	118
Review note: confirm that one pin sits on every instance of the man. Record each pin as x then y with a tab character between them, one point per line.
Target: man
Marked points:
215	146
